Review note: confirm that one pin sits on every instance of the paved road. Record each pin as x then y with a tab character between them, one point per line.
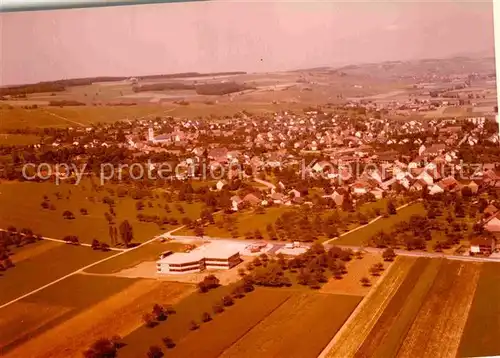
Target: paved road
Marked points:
265	183
328	244
82	269
422	254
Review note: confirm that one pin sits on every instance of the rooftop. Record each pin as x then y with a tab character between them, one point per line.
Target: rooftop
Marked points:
182	257
211	250
215	250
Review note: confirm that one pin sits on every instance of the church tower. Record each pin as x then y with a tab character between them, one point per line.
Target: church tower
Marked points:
151	134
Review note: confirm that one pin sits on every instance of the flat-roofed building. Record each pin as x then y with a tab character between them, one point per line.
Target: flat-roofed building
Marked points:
209	256
220	257
181	262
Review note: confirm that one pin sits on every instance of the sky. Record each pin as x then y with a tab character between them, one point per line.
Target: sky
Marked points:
251	36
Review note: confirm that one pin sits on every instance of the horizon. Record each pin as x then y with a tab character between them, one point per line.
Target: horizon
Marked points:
215	38
333	67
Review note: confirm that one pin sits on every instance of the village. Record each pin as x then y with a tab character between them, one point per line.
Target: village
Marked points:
357	151
309	180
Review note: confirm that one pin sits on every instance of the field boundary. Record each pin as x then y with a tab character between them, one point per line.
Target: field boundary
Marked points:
360	307
367	224
64	242
81	269
255	325
64	118
404	316
452	300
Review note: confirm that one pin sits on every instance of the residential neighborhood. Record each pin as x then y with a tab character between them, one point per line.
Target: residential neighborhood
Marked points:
250	179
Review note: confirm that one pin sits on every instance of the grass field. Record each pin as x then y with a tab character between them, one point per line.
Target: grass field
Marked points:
480	336
262	323
119	313
29	251
38	270
301	327
248	221
177	325
218	335
18	139
73	116
44	116
45	309
357	268
149	252
50	223
361	236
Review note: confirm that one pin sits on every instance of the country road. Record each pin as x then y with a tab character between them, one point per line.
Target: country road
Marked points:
424	254
329	243
84	268
64	242
190	239
64	118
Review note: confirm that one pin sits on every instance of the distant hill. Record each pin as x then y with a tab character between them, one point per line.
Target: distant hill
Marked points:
61	85
442	67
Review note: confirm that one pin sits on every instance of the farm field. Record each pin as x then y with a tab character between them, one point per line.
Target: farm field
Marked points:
71	116
385	337
50	223
364	318
356	268
177	325
480	336
18	139
149	252
45	309
215	337
301	327
18	118
120	313
422	313
43	117
361	236
437	328
29	251
45	267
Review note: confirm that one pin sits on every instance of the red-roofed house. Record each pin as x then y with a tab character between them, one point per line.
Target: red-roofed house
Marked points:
482	246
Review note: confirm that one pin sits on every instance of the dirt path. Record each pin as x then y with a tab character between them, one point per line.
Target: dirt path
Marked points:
119	314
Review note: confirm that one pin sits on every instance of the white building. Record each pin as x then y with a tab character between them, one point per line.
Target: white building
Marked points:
210	256
181	262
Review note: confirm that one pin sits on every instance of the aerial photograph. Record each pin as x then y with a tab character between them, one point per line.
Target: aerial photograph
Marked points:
226	179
